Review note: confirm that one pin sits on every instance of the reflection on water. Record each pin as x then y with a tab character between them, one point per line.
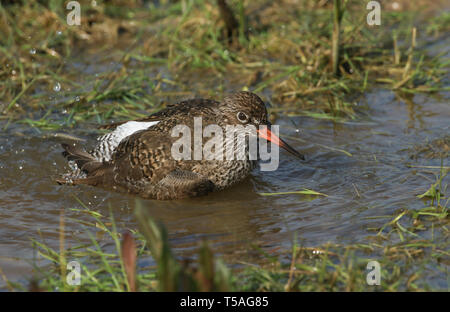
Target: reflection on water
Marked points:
373	181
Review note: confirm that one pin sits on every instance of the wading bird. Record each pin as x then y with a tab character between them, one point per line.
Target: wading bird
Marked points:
136	156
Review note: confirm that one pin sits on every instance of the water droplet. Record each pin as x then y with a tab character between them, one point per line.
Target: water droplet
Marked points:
57	87
59	32
20	167
33	51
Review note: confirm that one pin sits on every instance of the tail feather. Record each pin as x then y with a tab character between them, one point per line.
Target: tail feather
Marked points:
92	166
76	154
94	181
93	169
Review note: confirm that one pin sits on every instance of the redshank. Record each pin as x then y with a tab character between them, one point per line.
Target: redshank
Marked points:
136	157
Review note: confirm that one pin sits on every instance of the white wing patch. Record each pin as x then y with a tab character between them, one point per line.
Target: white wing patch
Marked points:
108	143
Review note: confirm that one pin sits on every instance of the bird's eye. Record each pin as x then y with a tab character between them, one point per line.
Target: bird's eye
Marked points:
242	117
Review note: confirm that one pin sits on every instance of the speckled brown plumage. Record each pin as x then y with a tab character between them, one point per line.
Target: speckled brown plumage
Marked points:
142	163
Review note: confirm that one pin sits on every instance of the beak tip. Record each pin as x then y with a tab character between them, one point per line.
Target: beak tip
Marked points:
301	156
268	135
296	153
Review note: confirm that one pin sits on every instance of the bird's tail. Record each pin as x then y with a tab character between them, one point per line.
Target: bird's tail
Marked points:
88	169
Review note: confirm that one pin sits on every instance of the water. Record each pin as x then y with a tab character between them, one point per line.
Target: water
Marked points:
374	181
57	87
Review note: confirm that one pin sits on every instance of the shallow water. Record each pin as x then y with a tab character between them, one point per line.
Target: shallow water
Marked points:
373	181
376	180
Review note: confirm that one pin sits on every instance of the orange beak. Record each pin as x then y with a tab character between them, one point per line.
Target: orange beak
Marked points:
269	136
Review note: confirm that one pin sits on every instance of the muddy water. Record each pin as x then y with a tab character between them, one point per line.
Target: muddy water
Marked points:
375	180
